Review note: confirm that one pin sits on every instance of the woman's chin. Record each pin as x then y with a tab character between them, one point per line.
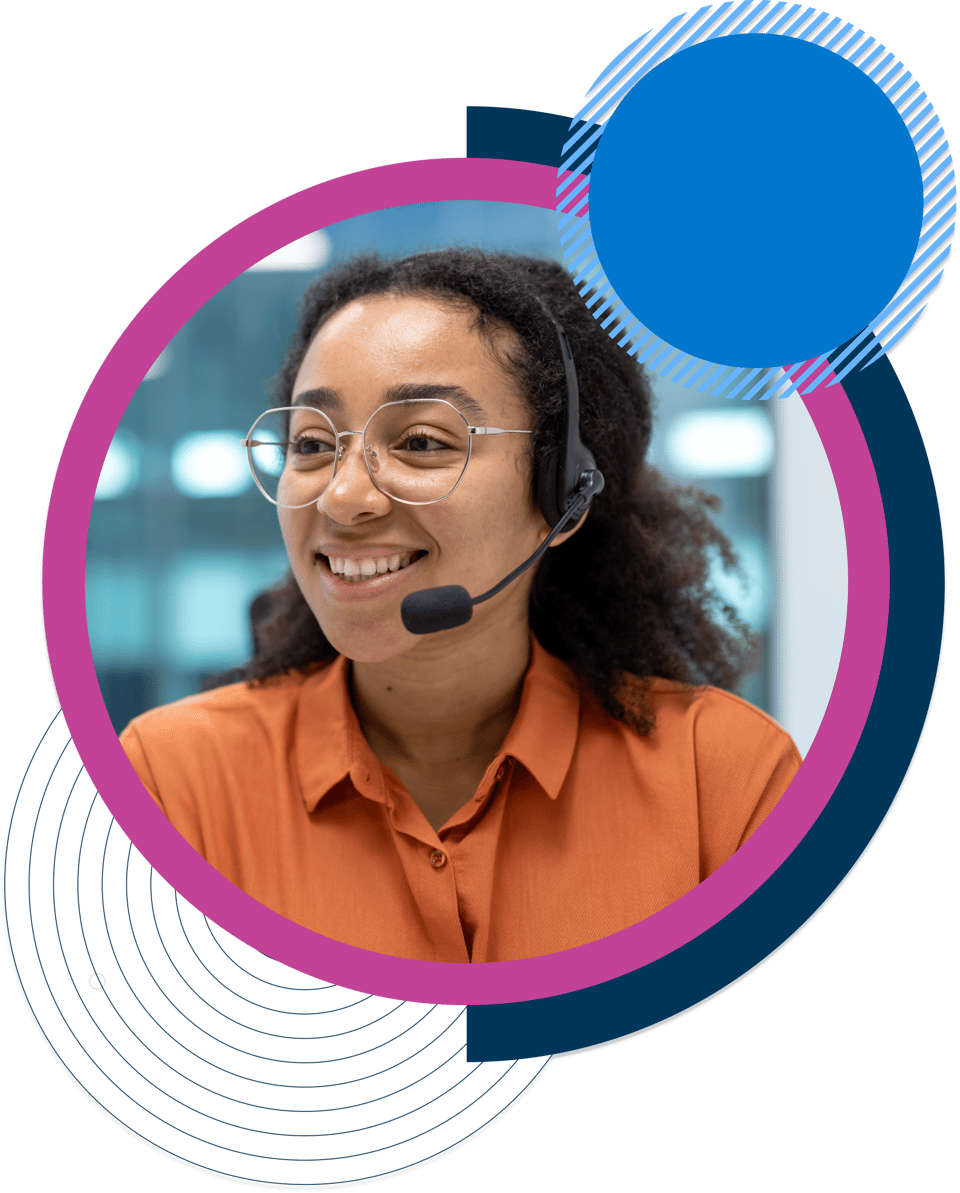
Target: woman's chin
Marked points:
375	644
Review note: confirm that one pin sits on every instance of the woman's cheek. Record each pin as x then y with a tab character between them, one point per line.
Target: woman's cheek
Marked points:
295	530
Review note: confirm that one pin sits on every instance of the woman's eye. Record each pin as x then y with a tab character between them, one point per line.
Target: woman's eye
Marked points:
420	442
310	448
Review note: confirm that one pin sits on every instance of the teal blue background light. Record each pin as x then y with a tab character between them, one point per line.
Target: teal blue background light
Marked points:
720	214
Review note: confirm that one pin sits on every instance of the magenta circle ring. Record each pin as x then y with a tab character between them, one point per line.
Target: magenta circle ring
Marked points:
170	855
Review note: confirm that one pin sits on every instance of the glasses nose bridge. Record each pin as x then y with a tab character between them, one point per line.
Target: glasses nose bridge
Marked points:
341	498
368	455
341	447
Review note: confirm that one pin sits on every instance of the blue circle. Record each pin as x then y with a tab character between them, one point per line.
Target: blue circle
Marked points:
755	200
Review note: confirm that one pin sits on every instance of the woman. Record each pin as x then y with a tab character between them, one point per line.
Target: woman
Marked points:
553	770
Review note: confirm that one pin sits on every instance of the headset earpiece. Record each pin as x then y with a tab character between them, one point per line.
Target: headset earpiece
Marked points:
547	488
562	473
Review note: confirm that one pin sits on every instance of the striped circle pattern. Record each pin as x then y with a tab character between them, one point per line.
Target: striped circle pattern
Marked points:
817	28
199	1043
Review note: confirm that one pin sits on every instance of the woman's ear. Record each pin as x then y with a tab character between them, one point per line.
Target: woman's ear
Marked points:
562	538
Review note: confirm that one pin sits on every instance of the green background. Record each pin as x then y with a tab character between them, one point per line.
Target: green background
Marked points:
136	135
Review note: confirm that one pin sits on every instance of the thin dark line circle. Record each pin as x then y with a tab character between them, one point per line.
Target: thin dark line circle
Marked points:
98	997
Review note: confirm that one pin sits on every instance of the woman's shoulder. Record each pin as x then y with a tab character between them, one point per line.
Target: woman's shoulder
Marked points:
233	705
711	717
734	756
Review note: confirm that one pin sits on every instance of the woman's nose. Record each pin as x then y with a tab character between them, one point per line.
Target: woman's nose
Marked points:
351	496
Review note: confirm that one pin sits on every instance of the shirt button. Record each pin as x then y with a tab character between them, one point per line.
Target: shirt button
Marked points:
499	775
438	859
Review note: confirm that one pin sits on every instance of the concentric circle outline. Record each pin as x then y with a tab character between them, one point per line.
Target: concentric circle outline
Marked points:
246	1077
150	1113
241	1076
258	1031
233	960
219	981
255	1055
282	1135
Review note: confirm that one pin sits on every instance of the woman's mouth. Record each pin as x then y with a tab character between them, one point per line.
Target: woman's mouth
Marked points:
357	571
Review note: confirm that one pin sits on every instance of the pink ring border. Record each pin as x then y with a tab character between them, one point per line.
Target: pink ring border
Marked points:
393	977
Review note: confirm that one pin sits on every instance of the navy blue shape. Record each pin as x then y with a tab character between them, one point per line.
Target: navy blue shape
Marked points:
519	135
776	909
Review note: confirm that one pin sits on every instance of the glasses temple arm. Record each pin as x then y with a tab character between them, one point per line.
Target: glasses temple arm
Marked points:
495	431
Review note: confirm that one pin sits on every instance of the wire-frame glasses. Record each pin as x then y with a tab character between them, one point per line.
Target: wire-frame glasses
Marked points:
416	451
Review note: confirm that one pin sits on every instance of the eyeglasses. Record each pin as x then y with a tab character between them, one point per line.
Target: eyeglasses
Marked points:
416	451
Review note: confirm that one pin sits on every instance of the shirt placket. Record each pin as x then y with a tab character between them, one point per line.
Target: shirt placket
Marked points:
442	867
471	838
430	873
426	863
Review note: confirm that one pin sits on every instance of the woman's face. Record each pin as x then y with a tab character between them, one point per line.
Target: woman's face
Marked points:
473	537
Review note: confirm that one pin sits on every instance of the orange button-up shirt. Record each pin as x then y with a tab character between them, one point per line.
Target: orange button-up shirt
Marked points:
580	826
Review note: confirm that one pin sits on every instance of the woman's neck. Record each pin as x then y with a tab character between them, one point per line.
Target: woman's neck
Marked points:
437	717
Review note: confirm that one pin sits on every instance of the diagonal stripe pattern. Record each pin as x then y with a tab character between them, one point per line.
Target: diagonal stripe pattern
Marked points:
204	1046
817	28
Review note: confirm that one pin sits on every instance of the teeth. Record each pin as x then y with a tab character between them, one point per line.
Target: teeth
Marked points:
358	570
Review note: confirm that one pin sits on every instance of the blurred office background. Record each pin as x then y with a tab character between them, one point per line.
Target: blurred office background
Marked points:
180	540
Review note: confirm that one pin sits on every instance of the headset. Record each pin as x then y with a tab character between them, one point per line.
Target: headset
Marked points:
568	480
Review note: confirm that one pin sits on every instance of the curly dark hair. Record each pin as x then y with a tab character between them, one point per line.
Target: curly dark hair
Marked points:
628	596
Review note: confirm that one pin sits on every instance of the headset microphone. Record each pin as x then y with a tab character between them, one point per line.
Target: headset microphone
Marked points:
568	481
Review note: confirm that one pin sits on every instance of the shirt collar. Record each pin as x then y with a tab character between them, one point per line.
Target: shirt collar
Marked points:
329	746
544	734
328	743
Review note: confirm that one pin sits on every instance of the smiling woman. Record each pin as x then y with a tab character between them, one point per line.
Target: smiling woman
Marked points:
560	765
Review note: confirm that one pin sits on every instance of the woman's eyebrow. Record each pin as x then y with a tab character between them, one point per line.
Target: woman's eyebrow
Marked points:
454	394
325	398
322	398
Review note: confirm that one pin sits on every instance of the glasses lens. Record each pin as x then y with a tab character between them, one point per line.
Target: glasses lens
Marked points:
417	450
292	454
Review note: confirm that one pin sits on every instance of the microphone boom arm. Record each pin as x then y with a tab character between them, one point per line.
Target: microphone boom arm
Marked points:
588	489
444	608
